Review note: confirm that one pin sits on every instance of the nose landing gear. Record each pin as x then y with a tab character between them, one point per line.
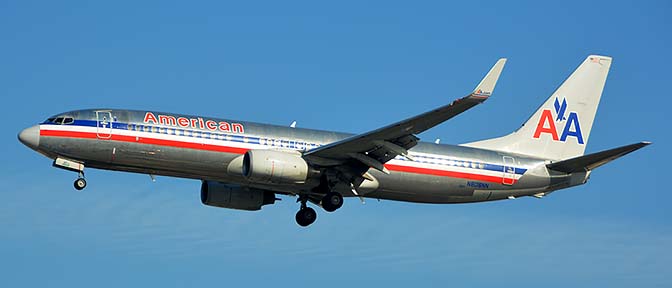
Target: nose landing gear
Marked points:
80	183
74	166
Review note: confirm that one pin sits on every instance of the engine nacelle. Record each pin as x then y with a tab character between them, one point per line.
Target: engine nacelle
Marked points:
234	197
270	166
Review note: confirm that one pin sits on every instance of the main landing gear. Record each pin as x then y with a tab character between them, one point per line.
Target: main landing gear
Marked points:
306	215
332	201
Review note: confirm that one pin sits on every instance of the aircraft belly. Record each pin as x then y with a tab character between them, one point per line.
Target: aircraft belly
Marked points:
421	188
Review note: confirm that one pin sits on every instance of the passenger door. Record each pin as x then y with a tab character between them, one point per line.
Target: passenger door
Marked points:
509	171
104	124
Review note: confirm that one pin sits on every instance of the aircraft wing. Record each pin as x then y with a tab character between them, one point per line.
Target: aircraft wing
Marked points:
372	149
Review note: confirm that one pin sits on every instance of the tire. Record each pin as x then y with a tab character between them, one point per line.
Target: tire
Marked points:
332	201
80	184
306	216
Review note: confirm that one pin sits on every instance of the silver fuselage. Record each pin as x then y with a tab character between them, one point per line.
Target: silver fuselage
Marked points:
210	149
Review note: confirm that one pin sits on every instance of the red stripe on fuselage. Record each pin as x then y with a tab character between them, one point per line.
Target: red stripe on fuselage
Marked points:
236	150
68	134
142	140
445	173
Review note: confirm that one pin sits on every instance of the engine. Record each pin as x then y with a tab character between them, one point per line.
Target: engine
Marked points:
270	166
234	197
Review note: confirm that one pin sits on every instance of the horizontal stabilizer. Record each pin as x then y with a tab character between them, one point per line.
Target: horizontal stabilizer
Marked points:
592	161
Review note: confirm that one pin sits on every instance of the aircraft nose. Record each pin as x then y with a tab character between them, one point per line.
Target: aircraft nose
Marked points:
30	136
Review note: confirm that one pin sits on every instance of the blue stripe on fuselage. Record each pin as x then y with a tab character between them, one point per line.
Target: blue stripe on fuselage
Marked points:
257	140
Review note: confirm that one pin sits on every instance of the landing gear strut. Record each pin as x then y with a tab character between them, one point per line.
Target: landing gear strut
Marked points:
80	183
306	215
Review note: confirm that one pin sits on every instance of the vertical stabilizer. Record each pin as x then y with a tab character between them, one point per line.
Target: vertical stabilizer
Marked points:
561	127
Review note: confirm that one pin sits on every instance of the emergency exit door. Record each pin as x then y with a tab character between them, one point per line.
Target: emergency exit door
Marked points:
509	176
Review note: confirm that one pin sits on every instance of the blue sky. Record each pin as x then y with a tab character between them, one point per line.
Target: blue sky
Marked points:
348	66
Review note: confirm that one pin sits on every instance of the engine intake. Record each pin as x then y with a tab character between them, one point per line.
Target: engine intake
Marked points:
269	166
234	197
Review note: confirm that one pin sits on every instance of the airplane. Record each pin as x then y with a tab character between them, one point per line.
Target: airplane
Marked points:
245	165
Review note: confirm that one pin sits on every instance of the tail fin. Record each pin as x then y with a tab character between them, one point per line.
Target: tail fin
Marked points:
561	127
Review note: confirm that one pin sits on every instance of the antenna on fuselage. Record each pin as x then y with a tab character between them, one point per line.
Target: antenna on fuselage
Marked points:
293	125
437	141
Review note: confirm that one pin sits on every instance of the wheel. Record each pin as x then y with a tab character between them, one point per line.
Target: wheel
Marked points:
306	216
80	184
332	201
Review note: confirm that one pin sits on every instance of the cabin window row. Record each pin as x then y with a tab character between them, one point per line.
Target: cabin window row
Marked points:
446	162
280	143
288	144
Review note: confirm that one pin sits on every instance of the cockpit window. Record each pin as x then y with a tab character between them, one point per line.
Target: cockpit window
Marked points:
60	120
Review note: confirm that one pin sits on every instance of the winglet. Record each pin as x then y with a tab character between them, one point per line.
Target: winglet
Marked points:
487	85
